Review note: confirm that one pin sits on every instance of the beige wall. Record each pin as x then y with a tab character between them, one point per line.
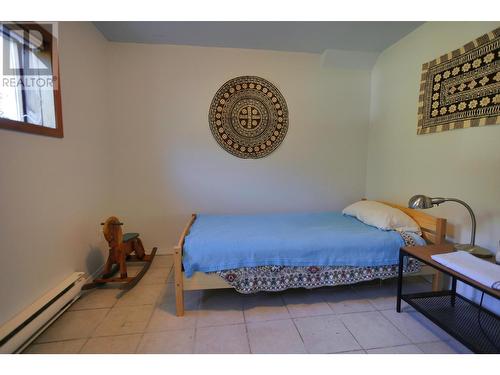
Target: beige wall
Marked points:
166	163
459	163
54	192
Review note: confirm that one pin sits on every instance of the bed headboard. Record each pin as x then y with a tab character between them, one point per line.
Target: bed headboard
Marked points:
433	228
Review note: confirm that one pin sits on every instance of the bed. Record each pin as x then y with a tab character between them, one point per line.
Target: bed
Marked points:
274	252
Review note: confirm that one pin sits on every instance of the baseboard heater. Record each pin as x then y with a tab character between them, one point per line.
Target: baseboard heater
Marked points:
19	332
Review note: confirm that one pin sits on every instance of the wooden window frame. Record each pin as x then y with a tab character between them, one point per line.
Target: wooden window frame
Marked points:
26	127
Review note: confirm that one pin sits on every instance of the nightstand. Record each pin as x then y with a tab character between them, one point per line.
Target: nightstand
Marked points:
465	320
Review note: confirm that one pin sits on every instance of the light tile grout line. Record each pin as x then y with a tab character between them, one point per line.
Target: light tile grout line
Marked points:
246	328
270	320
396	346
361	346
333	314
353	336
120	335
97	325
113	306
56	341
411	341
152	312
195	333
382	347
394	325
294	324
348	351
341	322
223	325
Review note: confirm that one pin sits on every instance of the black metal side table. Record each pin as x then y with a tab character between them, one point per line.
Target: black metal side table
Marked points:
470	323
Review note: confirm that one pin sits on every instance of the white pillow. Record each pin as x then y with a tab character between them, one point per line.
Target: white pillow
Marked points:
382	216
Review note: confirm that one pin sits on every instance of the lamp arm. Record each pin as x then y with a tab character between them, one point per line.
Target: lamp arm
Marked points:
472	216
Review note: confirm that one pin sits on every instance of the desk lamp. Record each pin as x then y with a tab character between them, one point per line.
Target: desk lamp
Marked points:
424	202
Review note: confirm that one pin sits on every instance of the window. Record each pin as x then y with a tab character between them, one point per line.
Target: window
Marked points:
30	95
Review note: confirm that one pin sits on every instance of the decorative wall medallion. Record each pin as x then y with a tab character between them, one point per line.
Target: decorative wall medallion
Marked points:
248	117
462	88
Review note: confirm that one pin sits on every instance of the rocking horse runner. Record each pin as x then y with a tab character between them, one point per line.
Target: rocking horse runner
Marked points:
121	247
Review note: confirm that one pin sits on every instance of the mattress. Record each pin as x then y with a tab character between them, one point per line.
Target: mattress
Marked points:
225	242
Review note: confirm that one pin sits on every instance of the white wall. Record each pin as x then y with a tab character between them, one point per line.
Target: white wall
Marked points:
54	192
462	163
166	163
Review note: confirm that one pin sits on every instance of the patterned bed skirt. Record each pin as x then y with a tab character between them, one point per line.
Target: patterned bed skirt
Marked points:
277	278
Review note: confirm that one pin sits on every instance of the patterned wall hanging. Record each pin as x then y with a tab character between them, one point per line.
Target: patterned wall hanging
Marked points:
248	117
462	88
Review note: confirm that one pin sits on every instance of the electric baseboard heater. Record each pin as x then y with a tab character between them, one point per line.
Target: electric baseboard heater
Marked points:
20	331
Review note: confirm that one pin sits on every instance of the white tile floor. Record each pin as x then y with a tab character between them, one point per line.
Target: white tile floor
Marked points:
350	319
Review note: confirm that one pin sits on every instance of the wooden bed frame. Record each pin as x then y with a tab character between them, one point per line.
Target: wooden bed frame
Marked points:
433	231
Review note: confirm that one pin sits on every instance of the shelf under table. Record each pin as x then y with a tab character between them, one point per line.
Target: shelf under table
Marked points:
475	327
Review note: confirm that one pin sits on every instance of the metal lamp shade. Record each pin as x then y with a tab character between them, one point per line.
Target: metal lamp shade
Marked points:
420	202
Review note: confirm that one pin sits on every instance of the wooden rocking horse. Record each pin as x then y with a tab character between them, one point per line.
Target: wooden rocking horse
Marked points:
121	247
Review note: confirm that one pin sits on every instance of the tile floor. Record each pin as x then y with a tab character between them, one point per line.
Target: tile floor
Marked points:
350	319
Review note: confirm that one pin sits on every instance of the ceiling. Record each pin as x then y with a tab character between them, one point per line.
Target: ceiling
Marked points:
279	36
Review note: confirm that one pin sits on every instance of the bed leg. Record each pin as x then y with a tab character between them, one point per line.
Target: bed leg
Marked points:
179	288
437	281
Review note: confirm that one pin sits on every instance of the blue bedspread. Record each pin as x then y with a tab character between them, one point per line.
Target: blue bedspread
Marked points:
219	242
